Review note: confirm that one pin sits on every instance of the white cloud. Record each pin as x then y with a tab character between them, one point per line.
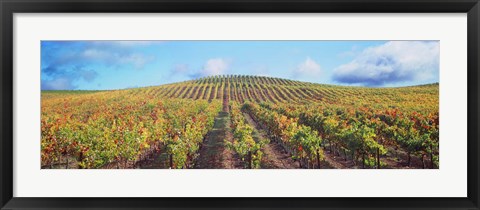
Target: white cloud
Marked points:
215	66
60	83
137	60
392	62
355	50
95	53
69	62
308	68
113	58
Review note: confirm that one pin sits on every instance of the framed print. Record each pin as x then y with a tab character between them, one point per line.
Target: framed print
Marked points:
239	105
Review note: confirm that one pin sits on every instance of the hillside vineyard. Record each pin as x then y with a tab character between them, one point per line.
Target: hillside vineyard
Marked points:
237	122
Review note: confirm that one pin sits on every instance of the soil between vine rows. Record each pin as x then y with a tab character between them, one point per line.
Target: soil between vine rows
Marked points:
214	154
274	155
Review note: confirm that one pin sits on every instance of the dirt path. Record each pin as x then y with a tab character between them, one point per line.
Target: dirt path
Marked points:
274	155
214	153
158	160
392	160
333	161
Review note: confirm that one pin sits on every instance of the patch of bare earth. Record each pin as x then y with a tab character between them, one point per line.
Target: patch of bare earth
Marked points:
159	160
334	162
397	158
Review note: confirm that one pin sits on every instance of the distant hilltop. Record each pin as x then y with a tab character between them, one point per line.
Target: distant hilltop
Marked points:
243	88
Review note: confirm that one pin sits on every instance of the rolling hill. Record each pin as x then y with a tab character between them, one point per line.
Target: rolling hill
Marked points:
238	121
243	88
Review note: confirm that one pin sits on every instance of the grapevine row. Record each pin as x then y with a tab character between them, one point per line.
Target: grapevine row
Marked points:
303	143
105	129
243	143
367	133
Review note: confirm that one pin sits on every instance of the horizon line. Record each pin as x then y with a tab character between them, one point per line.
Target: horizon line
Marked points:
229	75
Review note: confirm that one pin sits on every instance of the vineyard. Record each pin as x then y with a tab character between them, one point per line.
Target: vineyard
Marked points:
237	121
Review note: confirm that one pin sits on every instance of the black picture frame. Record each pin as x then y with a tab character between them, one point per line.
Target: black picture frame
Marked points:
10	7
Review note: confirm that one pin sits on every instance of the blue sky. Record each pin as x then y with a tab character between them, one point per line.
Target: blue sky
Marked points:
101	65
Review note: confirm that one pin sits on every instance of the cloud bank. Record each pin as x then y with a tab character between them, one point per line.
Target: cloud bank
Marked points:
392	62
66	62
